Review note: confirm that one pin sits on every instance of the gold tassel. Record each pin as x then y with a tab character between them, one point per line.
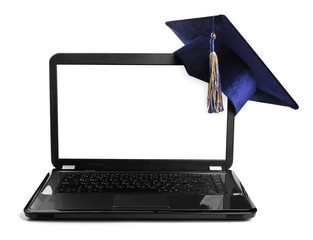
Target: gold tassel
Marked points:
214	101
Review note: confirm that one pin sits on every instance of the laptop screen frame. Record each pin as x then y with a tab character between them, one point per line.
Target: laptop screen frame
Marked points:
163	59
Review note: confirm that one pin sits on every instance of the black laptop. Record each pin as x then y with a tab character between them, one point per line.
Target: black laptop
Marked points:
129	141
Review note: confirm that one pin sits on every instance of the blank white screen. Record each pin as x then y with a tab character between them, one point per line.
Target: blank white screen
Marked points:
136	112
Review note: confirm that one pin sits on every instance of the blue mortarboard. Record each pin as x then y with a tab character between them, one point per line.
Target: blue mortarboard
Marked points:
239	73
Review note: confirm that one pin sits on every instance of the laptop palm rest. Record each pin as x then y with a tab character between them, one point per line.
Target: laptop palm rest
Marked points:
140	202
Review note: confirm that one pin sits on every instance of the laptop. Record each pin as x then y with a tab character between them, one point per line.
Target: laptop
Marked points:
130	141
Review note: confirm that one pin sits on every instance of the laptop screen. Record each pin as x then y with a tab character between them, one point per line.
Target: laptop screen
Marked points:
136	112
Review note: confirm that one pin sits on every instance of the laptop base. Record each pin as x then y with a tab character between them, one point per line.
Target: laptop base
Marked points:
47	203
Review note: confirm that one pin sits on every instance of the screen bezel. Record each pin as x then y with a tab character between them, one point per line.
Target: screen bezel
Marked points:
127	164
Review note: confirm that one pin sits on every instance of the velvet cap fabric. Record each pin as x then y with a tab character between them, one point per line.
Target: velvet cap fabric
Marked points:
244	76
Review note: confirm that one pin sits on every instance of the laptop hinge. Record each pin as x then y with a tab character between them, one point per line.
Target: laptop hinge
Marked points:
215	168
68	167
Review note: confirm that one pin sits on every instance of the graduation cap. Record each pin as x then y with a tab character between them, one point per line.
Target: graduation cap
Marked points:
216	53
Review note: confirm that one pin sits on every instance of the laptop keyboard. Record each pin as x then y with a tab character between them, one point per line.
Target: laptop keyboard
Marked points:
166	183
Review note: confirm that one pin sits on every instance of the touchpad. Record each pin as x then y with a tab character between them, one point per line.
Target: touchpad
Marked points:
140	201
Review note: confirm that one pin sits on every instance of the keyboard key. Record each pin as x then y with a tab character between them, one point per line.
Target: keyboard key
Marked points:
164	183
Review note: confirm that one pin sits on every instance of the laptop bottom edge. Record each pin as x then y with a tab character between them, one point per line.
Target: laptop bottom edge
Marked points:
145	215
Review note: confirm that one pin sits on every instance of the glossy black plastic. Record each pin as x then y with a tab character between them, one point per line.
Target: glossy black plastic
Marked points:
235	204
127	164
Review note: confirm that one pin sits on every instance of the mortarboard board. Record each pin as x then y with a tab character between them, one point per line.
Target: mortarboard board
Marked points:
239	72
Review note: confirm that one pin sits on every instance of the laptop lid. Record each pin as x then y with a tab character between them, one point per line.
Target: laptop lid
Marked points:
60	62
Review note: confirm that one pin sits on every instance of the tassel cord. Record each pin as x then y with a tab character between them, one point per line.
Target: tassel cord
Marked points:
214	100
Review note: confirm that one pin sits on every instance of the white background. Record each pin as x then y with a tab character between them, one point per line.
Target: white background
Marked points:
273	144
